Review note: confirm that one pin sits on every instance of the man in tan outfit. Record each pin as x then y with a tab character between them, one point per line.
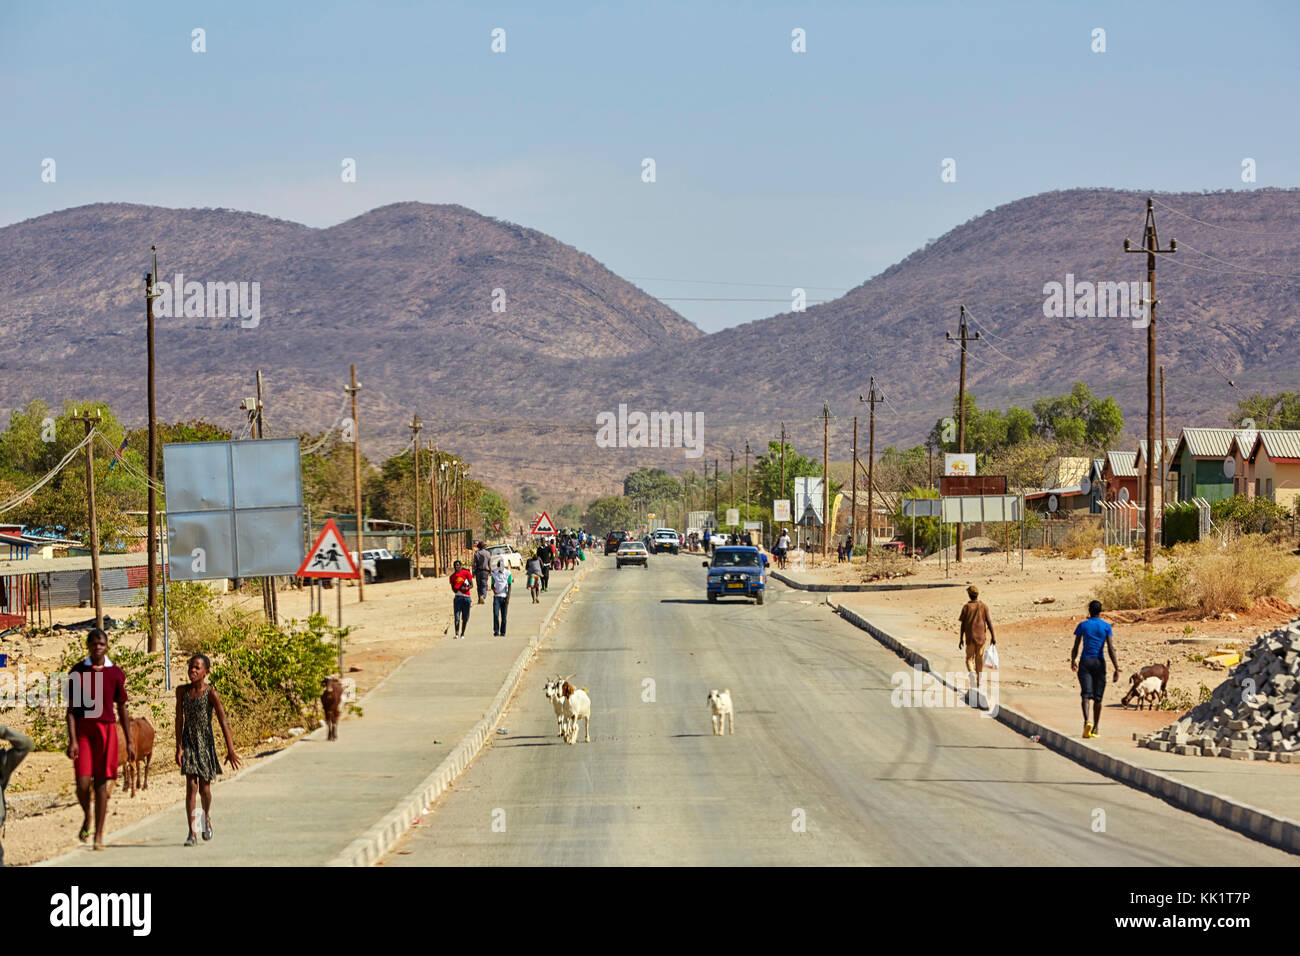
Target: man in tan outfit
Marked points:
976	627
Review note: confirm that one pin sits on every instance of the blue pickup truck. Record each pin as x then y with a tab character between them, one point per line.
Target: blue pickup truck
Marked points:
739	571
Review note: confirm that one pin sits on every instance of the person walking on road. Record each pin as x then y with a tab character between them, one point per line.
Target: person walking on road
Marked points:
482	570
976	629
462	585
1094	634
502	581
196	748
546	555
96	688
534	569
20	745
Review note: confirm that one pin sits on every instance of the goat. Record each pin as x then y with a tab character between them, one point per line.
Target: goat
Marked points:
552	692
1151	670
330	700
577	706
1147	689
142	735
720	703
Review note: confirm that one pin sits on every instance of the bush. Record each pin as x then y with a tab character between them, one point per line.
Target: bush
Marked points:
1249	515
192	616
1182	523
1229	573
1082	539
270	676
1132	587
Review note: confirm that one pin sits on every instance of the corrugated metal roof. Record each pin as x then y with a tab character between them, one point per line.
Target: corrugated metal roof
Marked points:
1170	445
1123	464
1281	443
1208	442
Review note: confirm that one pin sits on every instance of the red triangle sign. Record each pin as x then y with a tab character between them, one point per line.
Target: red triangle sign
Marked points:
329	557
543	525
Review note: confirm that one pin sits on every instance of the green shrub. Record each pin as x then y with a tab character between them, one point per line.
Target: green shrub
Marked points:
1134	586
1182	523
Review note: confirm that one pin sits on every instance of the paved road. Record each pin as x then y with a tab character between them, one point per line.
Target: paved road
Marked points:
816	737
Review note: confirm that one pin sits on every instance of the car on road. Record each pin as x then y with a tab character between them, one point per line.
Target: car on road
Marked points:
369	557
736	570
613	540
665	539
632	552
900	547
514	560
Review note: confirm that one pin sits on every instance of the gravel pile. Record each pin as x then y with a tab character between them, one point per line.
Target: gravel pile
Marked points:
1254	714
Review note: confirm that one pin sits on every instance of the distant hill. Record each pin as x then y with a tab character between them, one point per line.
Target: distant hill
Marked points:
405	292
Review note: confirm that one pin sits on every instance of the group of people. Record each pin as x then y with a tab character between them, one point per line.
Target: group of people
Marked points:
97	705
493	575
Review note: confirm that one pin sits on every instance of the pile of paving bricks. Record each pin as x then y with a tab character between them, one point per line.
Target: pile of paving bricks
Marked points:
1254	714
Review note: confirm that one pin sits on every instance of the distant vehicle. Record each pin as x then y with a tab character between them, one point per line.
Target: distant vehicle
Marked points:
368	558
736	570
666	539
900	547
632	552
613	540
514	560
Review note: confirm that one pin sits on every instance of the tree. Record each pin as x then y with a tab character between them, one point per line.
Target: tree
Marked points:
613	513
493	508
529	496
651	484
768	474
1269	411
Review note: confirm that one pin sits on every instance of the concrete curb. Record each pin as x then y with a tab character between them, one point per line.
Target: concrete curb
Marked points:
790	582
367	849
1279	832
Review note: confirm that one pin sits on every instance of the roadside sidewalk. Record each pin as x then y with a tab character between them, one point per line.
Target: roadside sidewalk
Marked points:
1233	789
318	800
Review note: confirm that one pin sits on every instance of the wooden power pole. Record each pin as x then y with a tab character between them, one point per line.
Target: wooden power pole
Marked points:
416	426
1164	472
853	484
96	591
964	337
872	398
151	534
826	478
1151	246
746	479
352	390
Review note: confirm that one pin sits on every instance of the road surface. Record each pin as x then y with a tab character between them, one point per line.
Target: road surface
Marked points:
822	769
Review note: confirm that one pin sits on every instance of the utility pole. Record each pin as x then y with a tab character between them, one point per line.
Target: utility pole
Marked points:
715	488
460	502
781	493
151	545
872	398
747	479
435	515
826	478
964	337
96	591
270	604
352	390
1151	246
853	480
1164	472
731	476
416	426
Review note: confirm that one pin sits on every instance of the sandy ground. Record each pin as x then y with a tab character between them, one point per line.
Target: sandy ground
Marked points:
397	620
1034	639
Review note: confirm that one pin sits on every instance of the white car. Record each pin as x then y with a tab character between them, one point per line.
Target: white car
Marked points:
514	560
369	569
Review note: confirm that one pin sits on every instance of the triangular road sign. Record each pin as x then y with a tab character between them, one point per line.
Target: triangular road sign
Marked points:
329	557
543	525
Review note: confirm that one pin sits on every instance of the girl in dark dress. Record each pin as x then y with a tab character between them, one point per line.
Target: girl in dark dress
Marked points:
196	748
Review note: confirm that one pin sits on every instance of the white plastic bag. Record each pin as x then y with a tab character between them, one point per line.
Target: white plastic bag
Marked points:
991	658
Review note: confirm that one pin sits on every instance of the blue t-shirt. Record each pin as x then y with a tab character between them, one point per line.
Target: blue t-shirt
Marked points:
1094	632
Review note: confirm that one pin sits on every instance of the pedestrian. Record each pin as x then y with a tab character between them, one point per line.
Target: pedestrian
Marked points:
462	585
482	570
1094	634
571	551
546	555
783	546
976	628
534	569
96	693
20	745
196	747
502	581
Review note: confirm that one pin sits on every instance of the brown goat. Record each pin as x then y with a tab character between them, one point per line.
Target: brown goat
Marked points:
142	735
1151	670
331	699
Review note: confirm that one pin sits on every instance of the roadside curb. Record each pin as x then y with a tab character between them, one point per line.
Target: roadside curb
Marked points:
790	582
367	849
1279	832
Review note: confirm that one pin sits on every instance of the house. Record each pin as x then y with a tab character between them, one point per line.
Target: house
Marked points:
1269	465
1069	501
1198	460
1097	489
1119	476
1065	472
1140	466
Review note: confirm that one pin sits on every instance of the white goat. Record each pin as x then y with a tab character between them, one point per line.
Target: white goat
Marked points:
720	703
553	695
577	706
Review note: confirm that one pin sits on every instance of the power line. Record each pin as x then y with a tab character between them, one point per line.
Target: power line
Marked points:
1214	225
23	496
1233	265
752	285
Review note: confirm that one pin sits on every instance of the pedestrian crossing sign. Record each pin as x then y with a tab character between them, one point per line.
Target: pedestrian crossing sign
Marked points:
543	525
329	557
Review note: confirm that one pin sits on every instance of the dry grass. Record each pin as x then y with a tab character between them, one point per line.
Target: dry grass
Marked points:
1082	539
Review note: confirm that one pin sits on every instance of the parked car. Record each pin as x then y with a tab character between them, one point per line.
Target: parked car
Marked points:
632	552
736	570
369	569
900	547
514	560
613	540
666	539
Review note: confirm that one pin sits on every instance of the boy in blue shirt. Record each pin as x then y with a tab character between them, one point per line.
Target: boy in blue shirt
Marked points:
1095	634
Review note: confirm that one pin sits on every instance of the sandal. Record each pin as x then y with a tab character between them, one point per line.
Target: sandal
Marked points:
190	841
84	835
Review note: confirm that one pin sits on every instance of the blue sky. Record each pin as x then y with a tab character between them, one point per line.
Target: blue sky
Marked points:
816	169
